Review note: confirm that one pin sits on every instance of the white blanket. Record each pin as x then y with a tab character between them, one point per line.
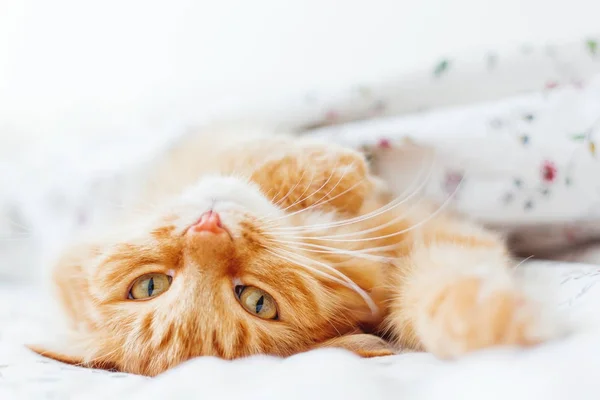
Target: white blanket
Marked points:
561	370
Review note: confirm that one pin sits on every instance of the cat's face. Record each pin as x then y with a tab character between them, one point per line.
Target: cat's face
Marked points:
215	273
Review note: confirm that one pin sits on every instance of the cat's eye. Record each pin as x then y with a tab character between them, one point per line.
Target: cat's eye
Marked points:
256	301
149	285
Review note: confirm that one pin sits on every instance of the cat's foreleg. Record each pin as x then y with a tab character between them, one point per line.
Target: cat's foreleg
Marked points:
458	293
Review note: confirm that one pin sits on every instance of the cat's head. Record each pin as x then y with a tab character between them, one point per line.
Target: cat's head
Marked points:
222	271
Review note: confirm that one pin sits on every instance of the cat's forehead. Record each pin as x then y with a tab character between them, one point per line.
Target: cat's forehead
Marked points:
134	239
135	252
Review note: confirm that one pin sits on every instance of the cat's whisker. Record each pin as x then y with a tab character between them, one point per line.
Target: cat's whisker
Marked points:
309	268
320	201
291	190
268	195
382	226
243	176
391	222
100	357
442	207
303	228
325	196
318	204
317	246
523	261
318	227
312	194
300	199
342	317
373	214
302	196
363	256
341	253
273	198
314	248
345	281
334	327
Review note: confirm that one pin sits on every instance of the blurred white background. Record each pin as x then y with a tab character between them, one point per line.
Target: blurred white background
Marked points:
74	67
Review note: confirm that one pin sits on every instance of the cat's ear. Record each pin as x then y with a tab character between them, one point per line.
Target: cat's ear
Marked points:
52	351
69	355
362	344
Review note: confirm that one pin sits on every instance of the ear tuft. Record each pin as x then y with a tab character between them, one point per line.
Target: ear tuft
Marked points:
362	344
70	358
56	355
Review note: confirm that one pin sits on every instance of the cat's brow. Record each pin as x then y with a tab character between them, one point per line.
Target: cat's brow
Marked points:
132	254
125	262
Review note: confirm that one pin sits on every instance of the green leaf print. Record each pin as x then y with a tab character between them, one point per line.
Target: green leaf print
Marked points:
592	46
579	137
441	68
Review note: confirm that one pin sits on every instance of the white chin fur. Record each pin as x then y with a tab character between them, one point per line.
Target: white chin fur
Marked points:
227	193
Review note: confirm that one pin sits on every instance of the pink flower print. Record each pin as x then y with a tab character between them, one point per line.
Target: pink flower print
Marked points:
384	144
592	46
549	171
572	233
551	85
441	68
452	180
331	116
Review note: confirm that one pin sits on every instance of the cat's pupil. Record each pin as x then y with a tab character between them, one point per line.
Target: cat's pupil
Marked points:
150	286
259	304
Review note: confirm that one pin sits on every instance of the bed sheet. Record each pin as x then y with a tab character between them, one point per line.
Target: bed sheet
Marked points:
564	369
526	165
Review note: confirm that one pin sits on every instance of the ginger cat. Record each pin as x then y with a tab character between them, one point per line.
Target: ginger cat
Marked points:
274	244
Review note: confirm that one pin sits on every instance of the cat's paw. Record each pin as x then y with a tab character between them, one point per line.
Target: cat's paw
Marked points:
466	315
316	174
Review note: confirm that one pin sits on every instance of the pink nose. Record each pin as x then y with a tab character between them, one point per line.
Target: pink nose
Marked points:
208	222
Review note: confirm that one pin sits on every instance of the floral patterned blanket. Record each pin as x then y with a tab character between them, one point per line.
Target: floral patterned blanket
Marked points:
561	370
516	147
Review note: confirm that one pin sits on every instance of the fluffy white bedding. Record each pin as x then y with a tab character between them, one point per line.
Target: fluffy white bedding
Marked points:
564	369
519	143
